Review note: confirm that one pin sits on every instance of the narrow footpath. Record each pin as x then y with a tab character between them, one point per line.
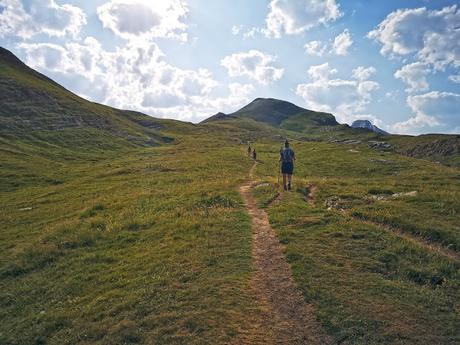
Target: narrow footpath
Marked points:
285	318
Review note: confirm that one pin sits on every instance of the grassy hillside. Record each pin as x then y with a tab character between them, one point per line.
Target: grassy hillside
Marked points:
116	250
38	110
118	228
377	248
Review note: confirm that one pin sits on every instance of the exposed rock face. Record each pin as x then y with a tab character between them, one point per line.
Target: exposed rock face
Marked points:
380	145
437	148
368	125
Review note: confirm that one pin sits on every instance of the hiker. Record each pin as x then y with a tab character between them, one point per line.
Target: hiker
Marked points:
287	158
249	150
254	154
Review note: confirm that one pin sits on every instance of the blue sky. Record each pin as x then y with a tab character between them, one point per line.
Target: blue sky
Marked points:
394	62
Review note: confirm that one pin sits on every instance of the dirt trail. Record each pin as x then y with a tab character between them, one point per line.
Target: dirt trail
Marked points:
284	318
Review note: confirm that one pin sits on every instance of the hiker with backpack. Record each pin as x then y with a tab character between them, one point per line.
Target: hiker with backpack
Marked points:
287	158
254	155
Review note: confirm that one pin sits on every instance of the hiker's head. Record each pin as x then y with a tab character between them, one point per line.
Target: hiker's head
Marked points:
286	143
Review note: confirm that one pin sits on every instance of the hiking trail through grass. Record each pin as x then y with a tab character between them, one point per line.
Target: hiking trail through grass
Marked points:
284	317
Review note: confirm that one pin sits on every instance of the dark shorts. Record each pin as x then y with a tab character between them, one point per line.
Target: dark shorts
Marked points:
287	168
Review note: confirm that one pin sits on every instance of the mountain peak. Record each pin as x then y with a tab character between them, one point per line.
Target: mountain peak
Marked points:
10	58
217	117
366	124
275	112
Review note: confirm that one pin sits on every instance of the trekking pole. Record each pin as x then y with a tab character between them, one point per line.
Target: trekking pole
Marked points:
279	169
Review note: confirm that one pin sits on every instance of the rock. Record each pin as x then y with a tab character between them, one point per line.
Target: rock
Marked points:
380	145
366	124
394	196
412	193
333	202
346	141
262	185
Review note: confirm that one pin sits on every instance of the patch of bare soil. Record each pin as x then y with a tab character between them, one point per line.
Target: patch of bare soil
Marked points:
310	192
285	318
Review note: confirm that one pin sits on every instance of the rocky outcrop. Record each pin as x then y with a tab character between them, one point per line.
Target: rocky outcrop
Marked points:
366	124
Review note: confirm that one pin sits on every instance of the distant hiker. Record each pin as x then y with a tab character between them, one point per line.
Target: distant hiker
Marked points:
254	154
249	150
287	158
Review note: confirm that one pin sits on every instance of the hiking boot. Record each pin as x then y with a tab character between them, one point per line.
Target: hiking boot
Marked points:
289	186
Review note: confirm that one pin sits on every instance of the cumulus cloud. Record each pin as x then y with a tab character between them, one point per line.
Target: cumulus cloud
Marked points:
135	77
342	43
315	48
339	46
132	19
253	64
347	99
297	16
363	73
44	16
431	35
414	76
433	111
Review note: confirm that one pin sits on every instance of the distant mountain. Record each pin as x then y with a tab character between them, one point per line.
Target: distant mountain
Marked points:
218	117
366	124
279	113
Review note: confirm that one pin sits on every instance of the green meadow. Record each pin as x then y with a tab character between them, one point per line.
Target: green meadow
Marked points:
146	246
119	228
380	267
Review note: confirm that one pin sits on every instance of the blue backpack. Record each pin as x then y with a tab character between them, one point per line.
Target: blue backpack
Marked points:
287	154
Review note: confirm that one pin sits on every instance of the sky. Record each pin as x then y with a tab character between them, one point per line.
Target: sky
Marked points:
393	62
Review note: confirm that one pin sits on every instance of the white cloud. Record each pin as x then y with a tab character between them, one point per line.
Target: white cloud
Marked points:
135	77
433	111
414	76
321	72
339	46
346	99
315	48
455	78
253	64
342	43
251	33
363	73
133	19
44	16
432	36
236	29
297	16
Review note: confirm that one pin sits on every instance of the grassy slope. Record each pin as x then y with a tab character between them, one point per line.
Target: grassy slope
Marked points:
130	248
115	249
369	285
115	227
40	112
